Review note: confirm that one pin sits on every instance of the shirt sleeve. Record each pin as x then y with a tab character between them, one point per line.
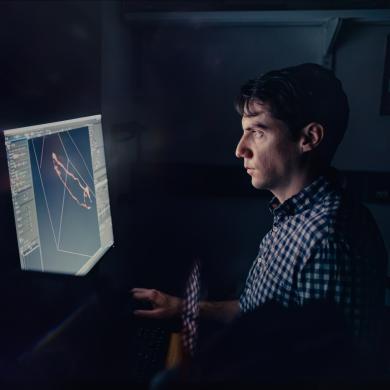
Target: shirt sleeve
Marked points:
322	276
338	275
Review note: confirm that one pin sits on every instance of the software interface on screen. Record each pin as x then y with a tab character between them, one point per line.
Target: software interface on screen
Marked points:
60	195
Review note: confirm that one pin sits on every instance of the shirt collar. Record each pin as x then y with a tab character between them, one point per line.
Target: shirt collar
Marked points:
303	200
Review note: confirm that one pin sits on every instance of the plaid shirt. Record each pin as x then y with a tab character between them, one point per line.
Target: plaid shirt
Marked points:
322	246
190	311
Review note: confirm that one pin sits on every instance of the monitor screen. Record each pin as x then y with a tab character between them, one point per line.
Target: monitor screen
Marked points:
60	195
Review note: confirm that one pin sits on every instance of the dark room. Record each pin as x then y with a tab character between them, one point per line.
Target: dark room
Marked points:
194	192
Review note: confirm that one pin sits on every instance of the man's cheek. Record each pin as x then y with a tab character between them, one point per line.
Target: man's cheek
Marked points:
265	163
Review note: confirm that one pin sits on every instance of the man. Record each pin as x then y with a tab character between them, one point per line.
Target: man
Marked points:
323	246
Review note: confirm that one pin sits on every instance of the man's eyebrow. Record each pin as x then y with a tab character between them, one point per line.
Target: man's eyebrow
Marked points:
260	125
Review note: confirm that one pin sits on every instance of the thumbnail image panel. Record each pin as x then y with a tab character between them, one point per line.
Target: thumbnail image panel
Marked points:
65	198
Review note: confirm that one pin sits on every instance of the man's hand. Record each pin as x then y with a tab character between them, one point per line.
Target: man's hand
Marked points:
163	305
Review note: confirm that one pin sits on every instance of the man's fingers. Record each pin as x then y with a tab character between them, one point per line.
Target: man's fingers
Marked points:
145	294
142	295
138	289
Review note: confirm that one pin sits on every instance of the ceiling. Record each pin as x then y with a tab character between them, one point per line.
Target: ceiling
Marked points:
247	5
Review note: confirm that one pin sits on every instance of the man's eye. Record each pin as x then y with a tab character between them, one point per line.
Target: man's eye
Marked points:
258	133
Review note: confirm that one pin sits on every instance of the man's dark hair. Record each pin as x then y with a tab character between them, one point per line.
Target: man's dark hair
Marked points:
299	95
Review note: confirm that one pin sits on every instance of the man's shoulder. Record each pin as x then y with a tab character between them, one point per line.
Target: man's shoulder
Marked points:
338	217
320	221
340	220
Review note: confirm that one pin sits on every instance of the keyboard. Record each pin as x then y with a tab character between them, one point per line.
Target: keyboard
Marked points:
149	349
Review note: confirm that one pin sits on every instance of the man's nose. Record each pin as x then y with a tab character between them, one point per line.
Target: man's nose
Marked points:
242	149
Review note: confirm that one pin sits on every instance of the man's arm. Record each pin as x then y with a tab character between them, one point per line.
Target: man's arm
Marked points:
223	311
168	306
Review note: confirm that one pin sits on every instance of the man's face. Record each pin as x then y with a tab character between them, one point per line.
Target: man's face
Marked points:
271	156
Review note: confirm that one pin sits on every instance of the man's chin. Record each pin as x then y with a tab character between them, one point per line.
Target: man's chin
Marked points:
259	185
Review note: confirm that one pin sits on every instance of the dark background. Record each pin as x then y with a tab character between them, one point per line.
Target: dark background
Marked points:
163	74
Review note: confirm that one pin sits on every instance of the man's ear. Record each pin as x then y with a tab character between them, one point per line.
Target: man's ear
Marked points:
311	136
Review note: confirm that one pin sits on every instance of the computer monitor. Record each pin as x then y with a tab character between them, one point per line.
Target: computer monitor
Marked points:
60	195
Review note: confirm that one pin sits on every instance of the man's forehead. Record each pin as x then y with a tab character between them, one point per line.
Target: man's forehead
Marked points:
255	108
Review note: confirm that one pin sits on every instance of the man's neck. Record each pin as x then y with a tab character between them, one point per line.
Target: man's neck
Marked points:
295	185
